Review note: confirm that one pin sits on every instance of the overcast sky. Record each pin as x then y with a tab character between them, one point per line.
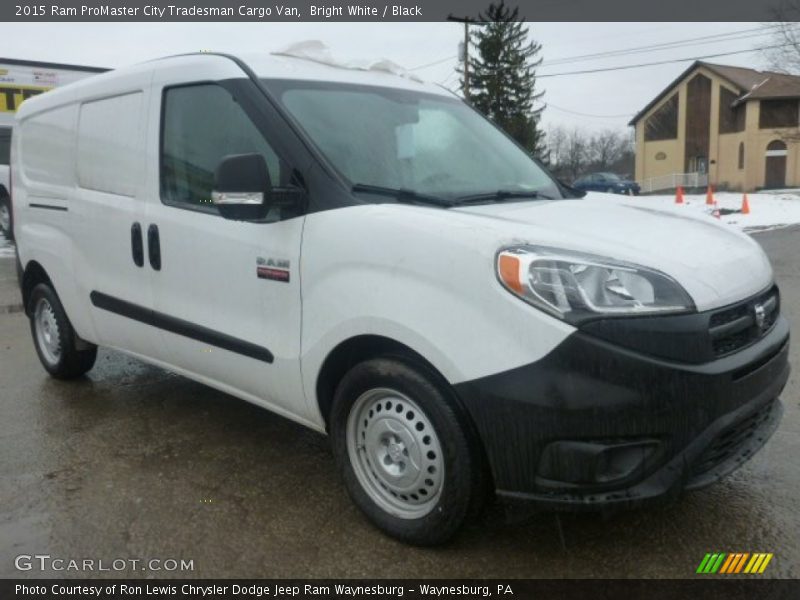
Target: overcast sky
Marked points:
605	100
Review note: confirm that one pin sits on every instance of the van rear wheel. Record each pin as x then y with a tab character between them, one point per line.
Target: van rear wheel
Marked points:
406	452
54	338
5	217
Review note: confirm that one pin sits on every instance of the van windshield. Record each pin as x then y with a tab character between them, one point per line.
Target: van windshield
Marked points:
415	142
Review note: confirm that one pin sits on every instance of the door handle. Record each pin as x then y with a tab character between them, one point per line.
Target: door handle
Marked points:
154	247
137	247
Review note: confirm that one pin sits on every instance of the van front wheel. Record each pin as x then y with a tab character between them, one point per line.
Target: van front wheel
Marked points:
406	453
54	338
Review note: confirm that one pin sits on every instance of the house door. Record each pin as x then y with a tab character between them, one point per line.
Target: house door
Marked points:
775	169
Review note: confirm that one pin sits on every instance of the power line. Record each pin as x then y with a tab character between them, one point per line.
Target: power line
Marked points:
696	41
447	79
582	114
431	64
660	62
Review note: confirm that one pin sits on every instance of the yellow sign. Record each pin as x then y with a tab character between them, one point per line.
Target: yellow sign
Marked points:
12	95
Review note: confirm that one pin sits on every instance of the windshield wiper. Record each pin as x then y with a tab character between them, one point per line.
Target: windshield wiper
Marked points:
401	194
500	196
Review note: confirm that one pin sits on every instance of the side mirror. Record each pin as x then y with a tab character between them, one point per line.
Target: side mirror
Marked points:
242	187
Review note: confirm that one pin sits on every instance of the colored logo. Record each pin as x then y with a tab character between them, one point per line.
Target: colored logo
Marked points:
734	563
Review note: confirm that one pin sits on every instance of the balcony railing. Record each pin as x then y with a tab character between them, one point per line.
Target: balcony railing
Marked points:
672	181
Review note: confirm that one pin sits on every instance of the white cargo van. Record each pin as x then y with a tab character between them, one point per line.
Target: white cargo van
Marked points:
368	256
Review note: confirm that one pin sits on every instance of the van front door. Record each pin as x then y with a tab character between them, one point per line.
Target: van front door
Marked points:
227	293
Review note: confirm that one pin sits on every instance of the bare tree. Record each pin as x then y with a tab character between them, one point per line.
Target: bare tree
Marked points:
568	152
783	55
606	148
612	151
575	152
556	140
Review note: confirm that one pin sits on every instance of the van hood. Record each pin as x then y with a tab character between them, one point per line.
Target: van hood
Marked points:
715	263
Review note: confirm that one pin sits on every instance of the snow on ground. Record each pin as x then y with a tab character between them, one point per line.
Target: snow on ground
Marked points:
768	210
6	247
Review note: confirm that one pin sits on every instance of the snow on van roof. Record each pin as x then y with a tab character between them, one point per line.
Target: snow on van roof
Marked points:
313	60
317	51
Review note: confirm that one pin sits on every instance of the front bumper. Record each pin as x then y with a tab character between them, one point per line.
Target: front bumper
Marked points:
594	424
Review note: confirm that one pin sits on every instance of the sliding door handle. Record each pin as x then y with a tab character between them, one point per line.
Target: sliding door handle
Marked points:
137	246
154	247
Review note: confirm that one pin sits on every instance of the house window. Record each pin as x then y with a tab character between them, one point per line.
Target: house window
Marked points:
663	123
777	113
731	118
776	148
741	155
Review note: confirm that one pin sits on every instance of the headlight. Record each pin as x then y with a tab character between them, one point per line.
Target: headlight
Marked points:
576	286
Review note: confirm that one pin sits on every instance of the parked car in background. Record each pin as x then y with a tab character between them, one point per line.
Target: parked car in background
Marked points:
606	182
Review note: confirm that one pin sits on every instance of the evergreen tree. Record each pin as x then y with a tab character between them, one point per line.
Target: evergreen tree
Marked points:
502	76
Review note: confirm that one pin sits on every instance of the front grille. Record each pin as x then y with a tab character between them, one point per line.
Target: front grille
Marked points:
738	326
729	442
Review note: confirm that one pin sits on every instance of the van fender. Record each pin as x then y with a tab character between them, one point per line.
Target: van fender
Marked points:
316	357
52	249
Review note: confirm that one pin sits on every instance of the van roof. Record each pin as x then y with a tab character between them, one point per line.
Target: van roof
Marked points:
265	66
289	65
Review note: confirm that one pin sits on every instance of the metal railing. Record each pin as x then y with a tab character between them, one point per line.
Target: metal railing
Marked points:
672	181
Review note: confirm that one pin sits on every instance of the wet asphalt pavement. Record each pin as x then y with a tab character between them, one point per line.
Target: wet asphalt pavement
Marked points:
133	462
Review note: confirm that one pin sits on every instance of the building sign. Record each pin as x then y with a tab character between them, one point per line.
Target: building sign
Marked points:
12	95
49	78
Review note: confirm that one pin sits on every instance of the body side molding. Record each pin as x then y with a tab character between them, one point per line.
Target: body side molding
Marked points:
48	206
180	327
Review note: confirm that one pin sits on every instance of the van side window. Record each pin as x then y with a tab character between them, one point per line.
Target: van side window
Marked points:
110	144
201	125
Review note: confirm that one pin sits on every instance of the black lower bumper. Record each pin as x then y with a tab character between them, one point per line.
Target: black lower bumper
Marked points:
596	424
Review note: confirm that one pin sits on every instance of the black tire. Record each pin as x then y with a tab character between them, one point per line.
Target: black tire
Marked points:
8	230
68	362
464	486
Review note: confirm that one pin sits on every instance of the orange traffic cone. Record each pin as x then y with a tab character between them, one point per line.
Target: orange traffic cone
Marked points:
715	212
710	195
679	195
745	205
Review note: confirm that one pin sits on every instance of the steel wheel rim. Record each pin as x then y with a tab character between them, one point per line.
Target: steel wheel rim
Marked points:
5	218
395	453
48	335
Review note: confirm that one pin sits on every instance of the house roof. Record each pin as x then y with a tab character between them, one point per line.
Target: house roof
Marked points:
749	83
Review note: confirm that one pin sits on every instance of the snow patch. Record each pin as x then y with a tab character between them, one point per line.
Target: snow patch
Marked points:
316	51
768	210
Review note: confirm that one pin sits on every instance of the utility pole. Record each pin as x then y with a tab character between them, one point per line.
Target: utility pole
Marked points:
466	21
